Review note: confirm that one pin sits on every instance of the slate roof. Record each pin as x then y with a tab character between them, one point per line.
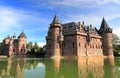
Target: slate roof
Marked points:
104	24
22	35
105	27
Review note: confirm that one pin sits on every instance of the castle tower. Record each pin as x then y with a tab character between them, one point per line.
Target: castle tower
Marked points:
53	47
106	33
22	44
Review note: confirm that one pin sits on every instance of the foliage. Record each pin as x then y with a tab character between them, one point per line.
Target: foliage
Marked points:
115	39
116	48
116	43
29	45
36	47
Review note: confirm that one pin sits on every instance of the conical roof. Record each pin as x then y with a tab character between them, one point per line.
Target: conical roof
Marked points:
56	19
105	27
22	35
104	24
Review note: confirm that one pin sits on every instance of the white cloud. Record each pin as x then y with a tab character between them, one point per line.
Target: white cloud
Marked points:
8	19
41	44
108	1
117	31
71	3
91	18
11	18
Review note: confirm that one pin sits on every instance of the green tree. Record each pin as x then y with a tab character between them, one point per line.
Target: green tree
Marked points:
36	47
29	45
115	39
116	43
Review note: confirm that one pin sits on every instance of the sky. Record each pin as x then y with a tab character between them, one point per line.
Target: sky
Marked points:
34	16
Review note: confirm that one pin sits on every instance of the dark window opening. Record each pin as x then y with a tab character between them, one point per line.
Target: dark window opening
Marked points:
73	45
79	44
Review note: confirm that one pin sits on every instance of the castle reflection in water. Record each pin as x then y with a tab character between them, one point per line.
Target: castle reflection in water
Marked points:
59	68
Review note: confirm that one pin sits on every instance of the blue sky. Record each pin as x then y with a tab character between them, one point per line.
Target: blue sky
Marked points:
34	16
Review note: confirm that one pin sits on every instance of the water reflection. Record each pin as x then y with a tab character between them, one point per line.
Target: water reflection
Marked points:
92	67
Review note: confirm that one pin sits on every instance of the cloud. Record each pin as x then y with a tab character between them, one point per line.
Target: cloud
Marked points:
117	31
8	19
70	3
41	44
108	1
94	19
15	18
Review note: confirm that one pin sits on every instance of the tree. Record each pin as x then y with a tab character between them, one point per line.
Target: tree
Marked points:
115	39
36	47
116	43
29	45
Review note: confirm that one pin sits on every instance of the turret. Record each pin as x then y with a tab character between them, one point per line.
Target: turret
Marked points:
53	47
106	33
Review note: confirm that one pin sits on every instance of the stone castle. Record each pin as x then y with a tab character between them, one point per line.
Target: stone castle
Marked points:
77	39
14	47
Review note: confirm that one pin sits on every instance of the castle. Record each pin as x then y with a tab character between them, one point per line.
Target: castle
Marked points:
14	47
77	39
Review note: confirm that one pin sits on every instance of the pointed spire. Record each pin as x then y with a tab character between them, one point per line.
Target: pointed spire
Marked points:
56	19
104	26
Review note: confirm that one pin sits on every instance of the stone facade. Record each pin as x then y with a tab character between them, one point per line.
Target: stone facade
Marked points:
14	47
77	39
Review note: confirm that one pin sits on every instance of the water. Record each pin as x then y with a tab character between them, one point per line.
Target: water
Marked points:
60	68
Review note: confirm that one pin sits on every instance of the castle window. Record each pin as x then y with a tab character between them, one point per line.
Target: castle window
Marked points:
85	45
13	50
101	46
21	50
90	46
73	45
79	44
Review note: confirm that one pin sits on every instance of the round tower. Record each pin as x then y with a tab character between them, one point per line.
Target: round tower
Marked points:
53	47
106	33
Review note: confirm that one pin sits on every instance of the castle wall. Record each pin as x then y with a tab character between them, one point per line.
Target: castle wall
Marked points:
107	41
95	47
69	45
81	45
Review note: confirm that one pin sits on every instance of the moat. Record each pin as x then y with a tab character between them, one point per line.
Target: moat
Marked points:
91	67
